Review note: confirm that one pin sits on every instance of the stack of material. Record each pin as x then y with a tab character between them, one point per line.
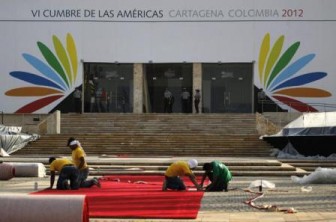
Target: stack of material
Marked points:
12	139
29	169
7	171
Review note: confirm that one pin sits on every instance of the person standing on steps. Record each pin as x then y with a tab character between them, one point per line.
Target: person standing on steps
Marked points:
197	99
185	97
78	158
78	100
168	101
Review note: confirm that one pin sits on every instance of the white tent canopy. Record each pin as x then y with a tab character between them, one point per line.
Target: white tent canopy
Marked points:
311	124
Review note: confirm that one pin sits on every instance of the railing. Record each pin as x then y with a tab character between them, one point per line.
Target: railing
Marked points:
275	106
274	117
2	117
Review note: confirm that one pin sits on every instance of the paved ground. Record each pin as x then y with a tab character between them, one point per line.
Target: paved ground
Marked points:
317	205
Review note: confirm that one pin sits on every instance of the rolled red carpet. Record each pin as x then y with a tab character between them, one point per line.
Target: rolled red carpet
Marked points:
42	208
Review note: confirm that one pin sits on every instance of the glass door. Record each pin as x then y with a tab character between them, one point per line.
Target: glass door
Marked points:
168	88
227	88
108	87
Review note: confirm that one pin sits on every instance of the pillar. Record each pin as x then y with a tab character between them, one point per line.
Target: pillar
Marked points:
138	87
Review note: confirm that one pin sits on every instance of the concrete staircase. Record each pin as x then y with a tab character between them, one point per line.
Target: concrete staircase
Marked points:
105	165
309	165
156	135
119	142
238	167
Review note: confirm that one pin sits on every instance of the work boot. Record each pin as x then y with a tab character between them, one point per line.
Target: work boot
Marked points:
96	182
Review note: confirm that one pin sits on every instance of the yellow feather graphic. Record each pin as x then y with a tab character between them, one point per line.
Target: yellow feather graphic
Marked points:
264	49
71	47
273	57
62	56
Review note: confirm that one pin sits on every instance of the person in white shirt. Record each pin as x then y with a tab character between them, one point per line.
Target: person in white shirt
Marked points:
168	101
185	96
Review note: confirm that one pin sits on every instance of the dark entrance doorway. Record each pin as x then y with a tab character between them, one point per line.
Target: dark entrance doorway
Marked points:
227	87
163	80
108	87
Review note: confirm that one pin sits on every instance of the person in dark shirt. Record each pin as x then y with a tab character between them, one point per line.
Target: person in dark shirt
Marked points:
197	99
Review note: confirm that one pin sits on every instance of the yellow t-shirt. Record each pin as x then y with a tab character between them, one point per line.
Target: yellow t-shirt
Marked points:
77	154
179	168
58	164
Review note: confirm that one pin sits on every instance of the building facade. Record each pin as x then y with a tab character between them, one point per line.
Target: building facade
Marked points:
151	56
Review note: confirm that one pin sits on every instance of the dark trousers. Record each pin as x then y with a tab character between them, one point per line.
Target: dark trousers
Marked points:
196	102
78	105
68	173
185	105
219	185
166	105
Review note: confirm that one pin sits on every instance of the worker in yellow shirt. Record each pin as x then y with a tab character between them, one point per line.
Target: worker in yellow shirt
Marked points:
67	171
78	158
174	173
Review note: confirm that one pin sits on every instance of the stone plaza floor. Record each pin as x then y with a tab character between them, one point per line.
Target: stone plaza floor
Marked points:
317	205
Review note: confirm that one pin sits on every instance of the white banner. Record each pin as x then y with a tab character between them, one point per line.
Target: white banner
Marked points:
162	31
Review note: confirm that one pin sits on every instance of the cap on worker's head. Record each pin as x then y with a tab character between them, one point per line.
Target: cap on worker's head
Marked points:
70	140
74	142
192	163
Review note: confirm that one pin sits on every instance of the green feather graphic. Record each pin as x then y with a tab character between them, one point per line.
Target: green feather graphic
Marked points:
283	61
52	61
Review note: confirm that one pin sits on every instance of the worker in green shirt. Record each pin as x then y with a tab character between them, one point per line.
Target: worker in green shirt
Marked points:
218	174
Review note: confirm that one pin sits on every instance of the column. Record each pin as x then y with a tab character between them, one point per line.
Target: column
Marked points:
138	88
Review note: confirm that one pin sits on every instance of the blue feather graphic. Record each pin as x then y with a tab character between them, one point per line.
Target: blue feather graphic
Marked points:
34	79
44	69
292	69
302	80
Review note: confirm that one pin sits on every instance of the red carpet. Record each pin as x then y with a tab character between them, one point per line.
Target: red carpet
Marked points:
131	196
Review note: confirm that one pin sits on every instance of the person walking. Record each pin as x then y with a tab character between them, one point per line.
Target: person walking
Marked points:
174	173
78	158
67	171
218	174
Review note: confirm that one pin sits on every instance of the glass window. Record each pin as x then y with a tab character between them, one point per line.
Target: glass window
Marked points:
227	87
108	87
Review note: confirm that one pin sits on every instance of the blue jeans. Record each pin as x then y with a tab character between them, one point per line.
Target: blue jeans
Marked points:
175	183
68	173
83	175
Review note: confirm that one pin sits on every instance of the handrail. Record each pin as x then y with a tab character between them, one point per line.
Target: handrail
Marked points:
295	104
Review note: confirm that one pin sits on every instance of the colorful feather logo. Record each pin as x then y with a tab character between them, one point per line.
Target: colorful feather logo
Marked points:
279	74
57	74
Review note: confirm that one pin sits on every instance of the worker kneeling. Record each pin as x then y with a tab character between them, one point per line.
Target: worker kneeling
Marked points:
218	174
174	173
67	171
